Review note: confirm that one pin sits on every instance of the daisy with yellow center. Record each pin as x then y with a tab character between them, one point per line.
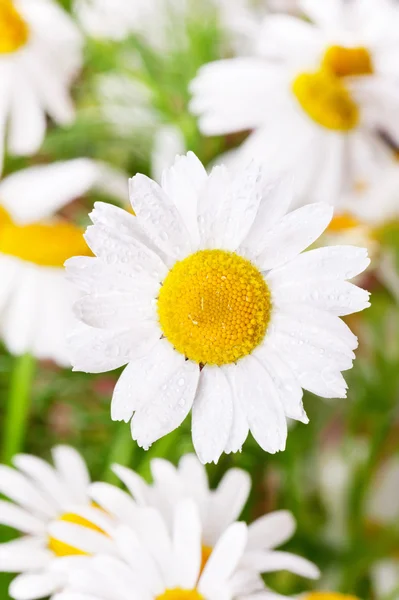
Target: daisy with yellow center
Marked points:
40	54
204	296
35	241
155	562
39	495
316	94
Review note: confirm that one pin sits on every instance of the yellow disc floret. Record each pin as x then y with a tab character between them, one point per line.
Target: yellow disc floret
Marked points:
344	62
14	32
61	548
180	594
45	244
214	307
326	100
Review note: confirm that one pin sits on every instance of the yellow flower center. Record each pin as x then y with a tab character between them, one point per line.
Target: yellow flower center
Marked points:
205	554
344	62
343	222
179	594
329	596
45	244
214	307
14	31
61	548
326	101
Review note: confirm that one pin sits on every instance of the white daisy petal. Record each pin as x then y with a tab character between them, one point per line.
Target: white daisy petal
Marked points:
83	538
295	232
224	558
183	183
268	562
187	545
33	585
210	212
332	263
158	217
257	393
212	414
24	554
168	409
72	468
114	501
13	516
286	384
27	118
134	483
18	488
240	428
270	531
230	498
97	350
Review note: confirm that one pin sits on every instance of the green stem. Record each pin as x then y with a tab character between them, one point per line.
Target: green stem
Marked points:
121	452
17	411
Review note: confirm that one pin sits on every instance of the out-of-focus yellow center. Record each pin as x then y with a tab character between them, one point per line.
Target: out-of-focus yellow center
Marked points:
343	222
214	307
329	596
14	31
45	244
61	548
205	554
179	594
326	101
344	62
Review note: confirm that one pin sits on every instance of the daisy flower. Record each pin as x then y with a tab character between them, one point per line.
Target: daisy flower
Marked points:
316	95
154	563
40	54
205	296
328	596
35	298
40	494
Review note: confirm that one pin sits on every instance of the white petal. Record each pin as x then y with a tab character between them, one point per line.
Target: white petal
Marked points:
159	218
35	585
115	502
224	559
212	414
82	538
13	516
258	396
331	263
340	298
277	196
126	253
142	378
17	487
95	350
268	562
230	497
45	477
27	118
210	204
24	554
169	407
239	428
270	531
73	470
183	183
116	310
134	483
295	232
38	192
284	37
187	544
286	384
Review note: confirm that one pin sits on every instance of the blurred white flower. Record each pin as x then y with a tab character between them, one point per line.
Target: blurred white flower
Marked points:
40	495
35	298
168	143
172	292
40	54
316	95
217	510
169	559
155	20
